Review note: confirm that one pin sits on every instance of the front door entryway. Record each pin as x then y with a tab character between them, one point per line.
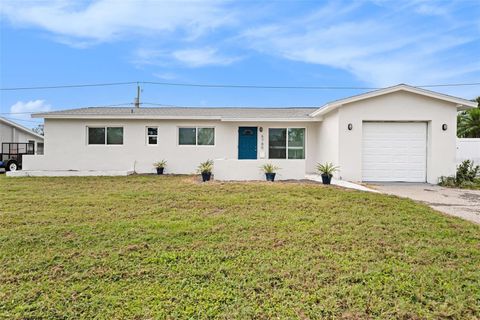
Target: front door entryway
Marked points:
247	143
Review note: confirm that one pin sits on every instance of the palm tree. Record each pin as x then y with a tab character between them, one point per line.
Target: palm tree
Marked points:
468	122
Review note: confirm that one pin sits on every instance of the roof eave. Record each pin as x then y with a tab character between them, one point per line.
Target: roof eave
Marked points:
158	117
461	104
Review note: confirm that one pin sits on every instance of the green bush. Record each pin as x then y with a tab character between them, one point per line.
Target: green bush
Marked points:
467	176
467	171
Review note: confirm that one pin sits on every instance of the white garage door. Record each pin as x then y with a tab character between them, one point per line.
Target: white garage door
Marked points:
394	151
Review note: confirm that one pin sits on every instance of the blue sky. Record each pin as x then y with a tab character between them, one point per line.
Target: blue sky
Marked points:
284	43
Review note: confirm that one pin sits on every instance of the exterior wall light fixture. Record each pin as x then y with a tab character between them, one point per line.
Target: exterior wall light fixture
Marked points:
444	127
350	127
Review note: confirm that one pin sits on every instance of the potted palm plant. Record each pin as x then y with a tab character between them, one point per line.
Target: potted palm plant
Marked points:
160	166
205	169
327	170
270	171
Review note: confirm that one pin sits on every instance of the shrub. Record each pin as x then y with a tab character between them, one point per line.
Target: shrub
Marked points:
467	175
327	168
160	164
467	171
206	167
269	168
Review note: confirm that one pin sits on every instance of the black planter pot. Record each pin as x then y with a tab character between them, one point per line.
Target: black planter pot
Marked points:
160	170
326	178
206	176
270	176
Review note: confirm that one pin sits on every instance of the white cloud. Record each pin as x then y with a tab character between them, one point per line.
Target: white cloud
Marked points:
193	57
106	20
202	57
23	109
379	50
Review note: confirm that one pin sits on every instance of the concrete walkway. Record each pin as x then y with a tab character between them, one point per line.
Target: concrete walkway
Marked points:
456	202
341	183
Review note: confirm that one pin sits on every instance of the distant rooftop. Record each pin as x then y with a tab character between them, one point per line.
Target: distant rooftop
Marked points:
182	113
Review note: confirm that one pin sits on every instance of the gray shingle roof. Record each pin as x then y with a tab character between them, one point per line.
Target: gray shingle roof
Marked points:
182	112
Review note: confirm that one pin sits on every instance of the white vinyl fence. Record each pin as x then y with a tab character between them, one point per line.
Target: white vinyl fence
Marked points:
468	149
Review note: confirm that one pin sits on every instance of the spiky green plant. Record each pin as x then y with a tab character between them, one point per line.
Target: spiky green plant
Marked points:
327	168
160	164
269	168
205	167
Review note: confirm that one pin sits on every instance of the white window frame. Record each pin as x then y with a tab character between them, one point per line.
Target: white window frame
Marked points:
286	143
106	129
196	136
147	142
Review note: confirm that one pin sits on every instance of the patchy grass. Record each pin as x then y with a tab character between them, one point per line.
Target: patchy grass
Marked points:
144	247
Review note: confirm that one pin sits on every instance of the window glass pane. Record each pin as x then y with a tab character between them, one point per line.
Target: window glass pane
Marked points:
152	131
114	135
40	148
296	143
96	135
187	136
277	143
152	140
206	136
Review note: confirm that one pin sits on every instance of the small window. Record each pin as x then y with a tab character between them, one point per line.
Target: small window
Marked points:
152	135
286	143
115	135
296	143
105	135
187	136
39	147
96	135
196	136
206	136
277	143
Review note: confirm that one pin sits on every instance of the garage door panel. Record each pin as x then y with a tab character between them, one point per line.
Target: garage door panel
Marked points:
394	151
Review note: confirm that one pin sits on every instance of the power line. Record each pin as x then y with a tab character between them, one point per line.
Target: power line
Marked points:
232	86
235	86
70	86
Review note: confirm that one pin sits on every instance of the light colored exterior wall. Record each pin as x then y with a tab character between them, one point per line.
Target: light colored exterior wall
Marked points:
468	149
66	146
250	169
9	133
328	140
327	135
399	106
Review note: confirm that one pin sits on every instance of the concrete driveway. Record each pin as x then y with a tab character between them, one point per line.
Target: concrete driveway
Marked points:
456	202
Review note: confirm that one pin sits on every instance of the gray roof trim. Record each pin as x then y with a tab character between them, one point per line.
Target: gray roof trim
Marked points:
184	113
462	104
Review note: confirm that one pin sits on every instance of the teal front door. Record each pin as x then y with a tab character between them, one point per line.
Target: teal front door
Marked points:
247	143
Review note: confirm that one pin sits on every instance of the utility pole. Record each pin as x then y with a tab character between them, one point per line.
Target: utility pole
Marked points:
137	99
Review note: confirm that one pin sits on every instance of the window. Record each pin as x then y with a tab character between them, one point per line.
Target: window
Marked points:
115	135
196	136
108	135
206	136
286	143
152	135
96	135
39	147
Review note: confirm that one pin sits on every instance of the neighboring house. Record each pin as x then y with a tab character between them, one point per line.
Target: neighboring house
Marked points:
13	132
400	133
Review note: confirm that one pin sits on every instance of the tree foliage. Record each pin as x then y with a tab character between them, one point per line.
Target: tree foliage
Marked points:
468	122
39	130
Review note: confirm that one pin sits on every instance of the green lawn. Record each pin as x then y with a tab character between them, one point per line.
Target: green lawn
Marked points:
143	247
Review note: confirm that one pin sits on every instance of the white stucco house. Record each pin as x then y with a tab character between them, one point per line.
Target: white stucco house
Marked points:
401	133
13	132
